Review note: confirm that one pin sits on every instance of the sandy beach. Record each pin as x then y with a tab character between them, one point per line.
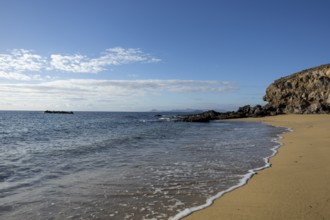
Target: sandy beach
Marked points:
297	186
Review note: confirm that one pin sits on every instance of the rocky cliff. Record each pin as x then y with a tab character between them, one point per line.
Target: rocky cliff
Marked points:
305	92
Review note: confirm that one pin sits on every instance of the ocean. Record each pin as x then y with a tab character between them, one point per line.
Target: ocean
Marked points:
114	165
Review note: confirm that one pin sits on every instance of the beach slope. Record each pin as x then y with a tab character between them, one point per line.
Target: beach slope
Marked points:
297	186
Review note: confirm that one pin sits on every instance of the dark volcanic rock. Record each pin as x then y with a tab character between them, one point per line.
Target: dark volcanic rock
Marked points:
242	112
201	117
58	112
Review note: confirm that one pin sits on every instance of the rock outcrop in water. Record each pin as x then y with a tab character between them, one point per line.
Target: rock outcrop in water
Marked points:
305	92
58	112
242	112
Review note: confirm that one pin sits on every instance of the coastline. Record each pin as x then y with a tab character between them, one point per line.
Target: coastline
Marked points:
297	186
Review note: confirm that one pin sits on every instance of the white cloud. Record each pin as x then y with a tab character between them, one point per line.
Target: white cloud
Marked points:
144	85
118	56
114	56
90	88
75	63
86	94
21	64
14	76
43	88
20	60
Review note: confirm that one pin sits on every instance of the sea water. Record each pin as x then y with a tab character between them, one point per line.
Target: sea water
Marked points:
99	165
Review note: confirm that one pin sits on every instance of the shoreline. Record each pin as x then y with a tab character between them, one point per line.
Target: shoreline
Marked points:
297	186
242	182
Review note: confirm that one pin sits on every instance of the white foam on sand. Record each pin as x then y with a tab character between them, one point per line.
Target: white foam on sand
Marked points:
241	183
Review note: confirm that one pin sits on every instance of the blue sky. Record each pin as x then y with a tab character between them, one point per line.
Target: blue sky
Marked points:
138	55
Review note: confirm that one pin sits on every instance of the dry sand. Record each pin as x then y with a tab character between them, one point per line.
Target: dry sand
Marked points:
297	186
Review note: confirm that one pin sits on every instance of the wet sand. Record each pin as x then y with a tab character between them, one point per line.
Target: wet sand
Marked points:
297	186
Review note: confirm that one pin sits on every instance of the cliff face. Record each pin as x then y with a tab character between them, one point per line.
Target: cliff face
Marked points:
305	92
